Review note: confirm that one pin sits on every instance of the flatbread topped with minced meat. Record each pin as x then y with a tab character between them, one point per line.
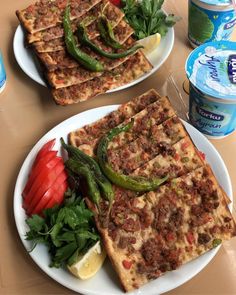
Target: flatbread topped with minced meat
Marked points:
113	14
148	234
121	31
69	81
133	68
87	134
160	231
45	14
64	77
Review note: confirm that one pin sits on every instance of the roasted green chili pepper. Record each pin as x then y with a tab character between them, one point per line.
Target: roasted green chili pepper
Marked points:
139	184
107	34
83	38
83	170
84	59
102	181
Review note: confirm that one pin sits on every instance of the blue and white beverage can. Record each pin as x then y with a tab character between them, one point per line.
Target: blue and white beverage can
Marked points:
2	74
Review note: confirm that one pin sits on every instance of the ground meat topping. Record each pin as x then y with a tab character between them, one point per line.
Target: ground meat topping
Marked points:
130	225
203	238
227	219
124	242
165	212
157	258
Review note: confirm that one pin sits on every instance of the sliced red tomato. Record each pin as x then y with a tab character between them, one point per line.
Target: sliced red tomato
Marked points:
42	183
116	2
59	197
54	195
55	201
44	149
47	181
63	185
48	161
52	203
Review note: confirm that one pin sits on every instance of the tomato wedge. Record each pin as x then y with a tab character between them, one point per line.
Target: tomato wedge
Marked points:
54	195
47	181
55	201
42	183
47	161
59	197
44	149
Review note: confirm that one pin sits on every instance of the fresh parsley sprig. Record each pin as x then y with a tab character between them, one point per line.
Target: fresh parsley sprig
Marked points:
67	230
146	17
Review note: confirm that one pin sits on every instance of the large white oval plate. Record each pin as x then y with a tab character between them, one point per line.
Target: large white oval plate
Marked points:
105	282
29	64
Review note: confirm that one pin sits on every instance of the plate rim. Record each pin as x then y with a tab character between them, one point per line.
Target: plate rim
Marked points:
108	108
39	79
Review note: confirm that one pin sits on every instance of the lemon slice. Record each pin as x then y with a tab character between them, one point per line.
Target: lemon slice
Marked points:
89	264
150	43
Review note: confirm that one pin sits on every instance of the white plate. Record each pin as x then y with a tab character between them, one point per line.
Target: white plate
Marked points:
28	63
105	282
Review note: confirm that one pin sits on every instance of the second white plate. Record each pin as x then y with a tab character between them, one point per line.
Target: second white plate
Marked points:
105	282
28	63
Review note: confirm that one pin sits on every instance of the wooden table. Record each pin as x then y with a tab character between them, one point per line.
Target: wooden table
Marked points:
27	112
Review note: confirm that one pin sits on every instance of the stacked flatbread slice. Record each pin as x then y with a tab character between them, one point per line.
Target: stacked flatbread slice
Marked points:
69	81
146	235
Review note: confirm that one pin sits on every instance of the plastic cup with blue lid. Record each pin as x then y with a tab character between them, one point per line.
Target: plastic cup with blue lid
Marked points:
210	20
211	70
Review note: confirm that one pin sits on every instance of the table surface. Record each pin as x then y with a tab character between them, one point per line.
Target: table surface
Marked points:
27	112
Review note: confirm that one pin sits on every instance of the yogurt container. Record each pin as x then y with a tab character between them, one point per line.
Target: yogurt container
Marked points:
2	74
210	20
211	70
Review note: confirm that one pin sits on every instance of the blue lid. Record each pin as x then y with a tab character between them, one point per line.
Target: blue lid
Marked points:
211	68
217	2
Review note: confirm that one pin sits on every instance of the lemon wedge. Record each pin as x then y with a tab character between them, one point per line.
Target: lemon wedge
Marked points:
150	43
88	264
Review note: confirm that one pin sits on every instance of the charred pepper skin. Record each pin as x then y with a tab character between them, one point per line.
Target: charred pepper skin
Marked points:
84	171
84	59
103	183
107	34
138	184
83	38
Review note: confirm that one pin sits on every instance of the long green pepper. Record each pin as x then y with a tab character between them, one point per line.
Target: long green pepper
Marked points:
83	170
139	184
107	34
84	59
103	183
83	38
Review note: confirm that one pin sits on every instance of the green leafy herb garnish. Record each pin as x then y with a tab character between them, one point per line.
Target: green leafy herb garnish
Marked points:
67	230
147	18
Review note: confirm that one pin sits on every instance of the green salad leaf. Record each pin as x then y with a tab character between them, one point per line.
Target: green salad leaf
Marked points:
146	17
67	230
